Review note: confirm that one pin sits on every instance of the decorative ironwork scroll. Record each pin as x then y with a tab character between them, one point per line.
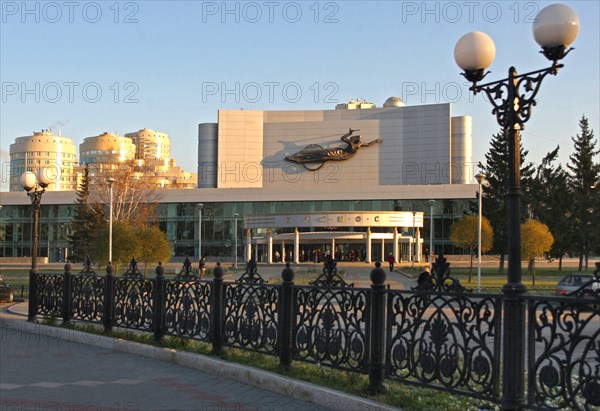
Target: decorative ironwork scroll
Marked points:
186	273
331	327
313	156
134	303
251	316
187	309
330	277
87	297
251	275
49	299
564	353
445	341
439	279
87	267
133	272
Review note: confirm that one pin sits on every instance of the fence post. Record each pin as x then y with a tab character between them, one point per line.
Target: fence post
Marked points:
159	304
217	311
32	311
286	317
67	286
109	297
377	318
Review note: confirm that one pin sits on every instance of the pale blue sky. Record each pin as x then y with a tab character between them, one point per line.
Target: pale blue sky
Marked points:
167	59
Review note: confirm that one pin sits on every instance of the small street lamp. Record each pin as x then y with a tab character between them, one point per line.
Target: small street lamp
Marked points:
110	182
35	186
555	27
480	177
236	215
431	204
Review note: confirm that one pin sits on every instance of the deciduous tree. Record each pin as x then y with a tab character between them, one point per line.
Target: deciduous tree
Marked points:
536	240
465	233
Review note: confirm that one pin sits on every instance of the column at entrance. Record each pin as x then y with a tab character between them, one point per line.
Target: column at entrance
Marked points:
248	253
418	246
270	247
395	246
296	246
368	257
333	248
283	251
383	250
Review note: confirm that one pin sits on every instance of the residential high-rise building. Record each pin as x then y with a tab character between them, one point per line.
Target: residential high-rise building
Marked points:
151	144
56	154
106	148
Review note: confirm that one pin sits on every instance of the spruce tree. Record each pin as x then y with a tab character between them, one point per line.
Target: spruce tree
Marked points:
583	180
85	221
550	203
495	200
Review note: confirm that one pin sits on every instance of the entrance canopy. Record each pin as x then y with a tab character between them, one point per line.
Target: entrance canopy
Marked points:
334	219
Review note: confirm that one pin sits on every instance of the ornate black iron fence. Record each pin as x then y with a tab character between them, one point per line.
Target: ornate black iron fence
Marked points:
450	340
438	335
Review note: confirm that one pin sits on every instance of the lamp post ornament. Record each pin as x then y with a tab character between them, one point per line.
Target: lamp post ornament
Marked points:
555	27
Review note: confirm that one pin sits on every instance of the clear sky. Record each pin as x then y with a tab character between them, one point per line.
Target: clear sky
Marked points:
88	67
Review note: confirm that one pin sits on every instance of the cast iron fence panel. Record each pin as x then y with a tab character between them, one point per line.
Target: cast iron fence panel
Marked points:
87	298
564	352
251	316
187	309
49	297
134	303
331	326
445	341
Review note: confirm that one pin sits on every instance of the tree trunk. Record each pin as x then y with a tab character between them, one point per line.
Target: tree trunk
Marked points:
580	260
531	269
560	263
471	268
501	266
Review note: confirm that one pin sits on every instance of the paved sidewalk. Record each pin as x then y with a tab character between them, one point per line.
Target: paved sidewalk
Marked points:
50	368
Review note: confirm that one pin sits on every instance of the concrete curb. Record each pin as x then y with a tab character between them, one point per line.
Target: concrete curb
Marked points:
263	379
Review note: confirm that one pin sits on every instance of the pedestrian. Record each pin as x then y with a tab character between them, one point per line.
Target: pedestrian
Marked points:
391	260
202	266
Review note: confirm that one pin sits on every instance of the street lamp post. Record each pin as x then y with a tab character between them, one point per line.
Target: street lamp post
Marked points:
480	179
236	215
35	187
430	256
200	205
555	27
110	182
414	237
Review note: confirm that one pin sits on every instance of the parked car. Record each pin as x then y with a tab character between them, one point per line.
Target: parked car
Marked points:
574	282
6	292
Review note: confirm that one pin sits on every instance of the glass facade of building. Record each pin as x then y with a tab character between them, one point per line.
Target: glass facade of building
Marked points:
180	222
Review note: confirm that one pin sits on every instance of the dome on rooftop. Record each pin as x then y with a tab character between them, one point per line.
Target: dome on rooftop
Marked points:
394	102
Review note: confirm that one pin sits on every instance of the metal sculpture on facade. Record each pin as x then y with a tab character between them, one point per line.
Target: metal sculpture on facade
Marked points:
314	156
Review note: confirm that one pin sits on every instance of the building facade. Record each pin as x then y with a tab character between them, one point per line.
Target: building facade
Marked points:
355	161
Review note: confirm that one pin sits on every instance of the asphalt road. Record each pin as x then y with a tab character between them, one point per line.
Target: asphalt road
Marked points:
42	373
